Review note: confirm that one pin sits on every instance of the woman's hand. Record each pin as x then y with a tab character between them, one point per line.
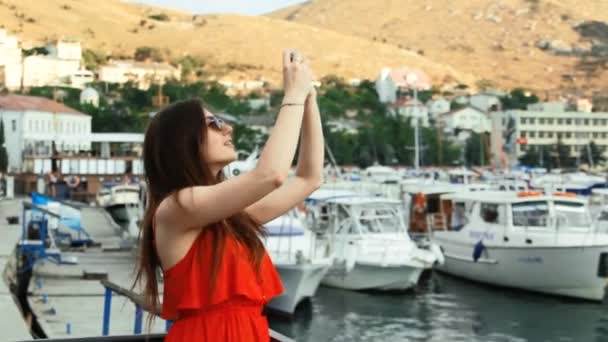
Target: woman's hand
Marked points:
297	77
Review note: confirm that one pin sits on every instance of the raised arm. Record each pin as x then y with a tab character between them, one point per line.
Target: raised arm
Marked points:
200	206
309	170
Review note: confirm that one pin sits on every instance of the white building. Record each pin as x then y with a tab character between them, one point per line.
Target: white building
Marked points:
543	124
60	67
33	124
438	106
90	96
141	73
40	70
467	119
255	104
347	126
10	60
485	102
390	81
413	109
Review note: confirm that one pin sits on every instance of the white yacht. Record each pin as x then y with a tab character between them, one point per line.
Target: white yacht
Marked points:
123	203
291	247
369	241
525	240
381	174
579	183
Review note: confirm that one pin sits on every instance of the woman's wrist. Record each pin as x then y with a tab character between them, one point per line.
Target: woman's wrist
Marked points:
294	98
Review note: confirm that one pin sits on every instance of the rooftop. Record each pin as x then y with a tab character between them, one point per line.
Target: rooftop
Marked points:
34	103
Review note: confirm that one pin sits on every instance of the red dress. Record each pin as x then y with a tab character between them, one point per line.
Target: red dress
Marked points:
234	312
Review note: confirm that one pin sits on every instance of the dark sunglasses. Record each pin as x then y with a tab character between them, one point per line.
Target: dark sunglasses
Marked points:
215	123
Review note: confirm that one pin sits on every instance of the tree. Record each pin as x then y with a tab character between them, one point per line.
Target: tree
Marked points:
3	153
518	99
144	53
562	153
531	158
93	59
475	153
597	156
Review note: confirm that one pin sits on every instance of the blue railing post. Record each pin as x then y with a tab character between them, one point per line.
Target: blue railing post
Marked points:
138	319
107	305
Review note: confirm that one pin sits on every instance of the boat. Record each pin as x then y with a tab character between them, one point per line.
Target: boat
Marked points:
290	246
579	183
368	239
124	203
381	174
532	241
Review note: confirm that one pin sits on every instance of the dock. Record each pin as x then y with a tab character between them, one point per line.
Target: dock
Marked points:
68	300
12	324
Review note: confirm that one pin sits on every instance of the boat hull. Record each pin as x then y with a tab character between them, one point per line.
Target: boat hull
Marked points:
300	282
564	271
373	277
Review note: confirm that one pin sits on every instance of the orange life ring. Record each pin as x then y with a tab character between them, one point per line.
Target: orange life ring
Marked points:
73	181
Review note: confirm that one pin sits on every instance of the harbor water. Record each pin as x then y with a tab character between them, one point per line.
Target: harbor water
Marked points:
445	308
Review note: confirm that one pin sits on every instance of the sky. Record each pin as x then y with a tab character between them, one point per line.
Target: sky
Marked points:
248	7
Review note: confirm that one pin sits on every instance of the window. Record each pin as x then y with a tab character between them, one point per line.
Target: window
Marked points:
604	135
36	126
14	125
530	214
571	214
560	121
568	135
541	134
532	134
523	134
604	121
596	122
541	121
550	121
550	135
493	213
532	121
586	122
577	121
459	218
595	134
568	121
489	212
522	121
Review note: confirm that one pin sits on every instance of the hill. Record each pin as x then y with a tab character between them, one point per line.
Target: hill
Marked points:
554	45
232	46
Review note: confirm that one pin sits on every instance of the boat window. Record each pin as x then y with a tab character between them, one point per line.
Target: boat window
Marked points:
489	212
381	219
602	222
530	214
345	223
432	204
571	214
459	218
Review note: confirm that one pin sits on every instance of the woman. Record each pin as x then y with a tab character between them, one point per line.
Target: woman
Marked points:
203	231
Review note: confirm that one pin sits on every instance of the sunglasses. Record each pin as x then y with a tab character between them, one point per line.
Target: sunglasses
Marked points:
215	123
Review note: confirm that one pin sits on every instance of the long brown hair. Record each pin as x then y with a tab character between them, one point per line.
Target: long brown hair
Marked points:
173	160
